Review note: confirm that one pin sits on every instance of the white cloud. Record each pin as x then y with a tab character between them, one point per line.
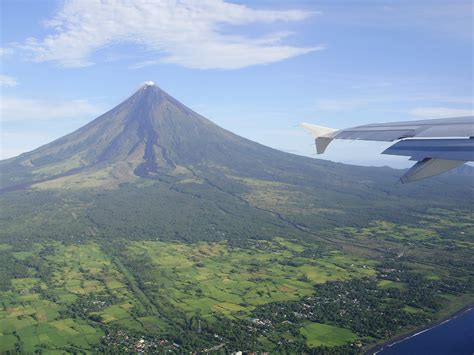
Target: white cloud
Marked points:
5	51
7	81
19	109
440	112
186	32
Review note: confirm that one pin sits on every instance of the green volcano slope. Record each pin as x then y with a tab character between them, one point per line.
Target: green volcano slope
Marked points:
152	167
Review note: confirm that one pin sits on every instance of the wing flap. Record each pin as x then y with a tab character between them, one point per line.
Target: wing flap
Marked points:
428	168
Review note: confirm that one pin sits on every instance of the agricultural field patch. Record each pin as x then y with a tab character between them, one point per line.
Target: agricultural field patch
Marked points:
216	278
326	335
80	281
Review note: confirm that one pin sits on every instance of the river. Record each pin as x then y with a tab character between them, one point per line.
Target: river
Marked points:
452	337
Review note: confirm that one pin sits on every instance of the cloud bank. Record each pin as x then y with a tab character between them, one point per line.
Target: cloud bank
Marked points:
7	81
189	33
14	109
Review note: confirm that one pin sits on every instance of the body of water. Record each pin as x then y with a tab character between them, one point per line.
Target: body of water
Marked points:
453	337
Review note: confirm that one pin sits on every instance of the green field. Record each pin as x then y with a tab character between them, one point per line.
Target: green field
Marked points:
212	278
34	313
325	335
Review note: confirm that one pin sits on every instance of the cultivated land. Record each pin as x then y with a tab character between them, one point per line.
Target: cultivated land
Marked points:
156	295
326	335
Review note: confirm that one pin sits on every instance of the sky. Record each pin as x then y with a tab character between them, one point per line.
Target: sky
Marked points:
257	68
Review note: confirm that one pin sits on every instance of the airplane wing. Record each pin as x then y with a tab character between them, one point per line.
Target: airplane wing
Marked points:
444	143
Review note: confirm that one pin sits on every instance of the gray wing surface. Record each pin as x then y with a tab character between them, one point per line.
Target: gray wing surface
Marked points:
444	127
445	143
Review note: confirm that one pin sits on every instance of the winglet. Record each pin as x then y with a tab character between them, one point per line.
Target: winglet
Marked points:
323	135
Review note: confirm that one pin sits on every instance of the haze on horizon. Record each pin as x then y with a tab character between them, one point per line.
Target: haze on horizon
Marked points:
255	68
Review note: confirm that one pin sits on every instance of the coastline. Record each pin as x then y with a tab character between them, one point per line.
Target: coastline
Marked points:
404	336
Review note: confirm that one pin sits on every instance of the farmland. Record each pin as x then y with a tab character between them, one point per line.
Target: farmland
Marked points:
218	279
155	295
35	310
71	294
321	334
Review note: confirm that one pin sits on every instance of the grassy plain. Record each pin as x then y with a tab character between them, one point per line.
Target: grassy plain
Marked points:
326	335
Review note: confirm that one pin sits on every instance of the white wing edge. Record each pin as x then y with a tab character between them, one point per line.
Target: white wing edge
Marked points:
322	135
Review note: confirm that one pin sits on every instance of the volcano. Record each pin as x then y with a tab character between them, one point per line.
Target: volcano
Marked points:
151	166
150	134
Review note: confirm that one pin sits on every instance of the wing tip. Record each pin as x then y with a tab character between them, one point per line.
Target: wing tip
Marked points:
322	135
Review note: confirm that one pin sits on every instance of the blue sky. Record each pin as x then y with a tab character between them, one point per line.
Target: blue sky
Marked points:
257	68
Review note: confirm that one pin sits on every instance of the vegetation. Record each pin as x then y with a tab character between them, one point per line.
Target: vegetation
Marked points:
254	295
318	334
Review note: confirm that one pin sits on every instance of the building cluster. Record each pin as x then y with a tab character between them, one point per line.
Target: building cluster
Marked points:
124	342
